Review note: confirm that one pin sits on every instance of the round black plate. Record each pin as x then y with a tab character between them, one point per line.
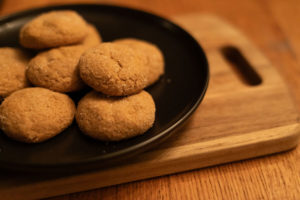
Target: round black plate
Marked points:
177	94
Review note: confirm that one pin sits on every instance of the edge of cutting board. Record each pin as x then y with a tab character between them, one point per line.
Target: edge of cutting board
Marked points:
175	156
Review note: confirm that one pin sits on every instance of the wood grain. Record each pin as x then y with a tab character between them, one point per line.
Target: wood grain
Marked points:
267	24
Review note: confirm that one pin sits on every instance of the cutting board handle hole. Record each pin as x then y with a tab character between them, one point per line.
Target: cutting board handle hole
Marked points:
241	66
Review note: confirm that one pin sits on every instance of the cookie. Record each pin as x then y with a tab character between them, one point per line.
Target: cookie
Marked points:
93	37
53	29
34	115
155	58
13	63
115	118
57	69
113	69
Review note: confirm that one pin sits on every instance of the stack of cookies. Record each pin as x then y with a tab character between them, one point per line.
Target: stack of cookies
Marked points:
72	57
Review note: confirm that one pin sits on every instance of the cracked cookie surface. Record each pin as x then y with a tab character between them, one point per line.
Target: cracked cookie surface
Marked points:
13	63
53	29
57	69
114	69
34	115
154	56
115	118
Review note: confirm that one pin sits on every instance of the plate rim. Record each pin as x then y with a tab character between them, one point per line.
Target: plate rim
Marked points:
149	141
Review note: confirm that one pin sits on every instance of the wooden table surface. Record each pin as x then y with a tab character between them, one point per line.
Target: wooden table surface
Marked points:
274	26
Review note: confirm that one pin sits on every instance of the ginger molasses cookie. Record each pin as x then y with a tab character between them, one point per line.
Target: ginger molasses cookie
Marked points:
115	118
93	37
13	63
34	115
57	69
114	69
155	58
53	29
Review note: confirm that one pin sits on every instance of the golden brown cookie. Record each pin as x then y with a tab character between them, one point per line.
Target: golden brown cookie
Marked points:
53	29
13	63
34	115
115	118
57	69
155	58
113	69
93	37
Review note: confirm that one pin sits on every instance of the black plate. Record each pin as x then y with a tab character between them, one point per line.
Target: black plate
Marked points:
177	94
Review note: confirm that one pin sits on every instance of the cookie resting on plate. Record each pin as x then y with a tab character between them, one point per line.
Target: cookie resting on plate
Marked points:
13	63
115	118
53	29
114	69
57	69
154	56
34	115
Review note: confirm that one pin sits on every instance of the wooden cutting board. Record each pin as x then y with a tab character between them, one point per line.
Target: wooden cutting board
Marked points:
247	112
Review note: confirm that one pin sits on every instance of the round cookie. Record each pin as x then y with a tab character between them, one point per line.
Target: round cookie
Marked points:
155	58
115	118
57	69
34	115
53	29
93	37
13	63
114	69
